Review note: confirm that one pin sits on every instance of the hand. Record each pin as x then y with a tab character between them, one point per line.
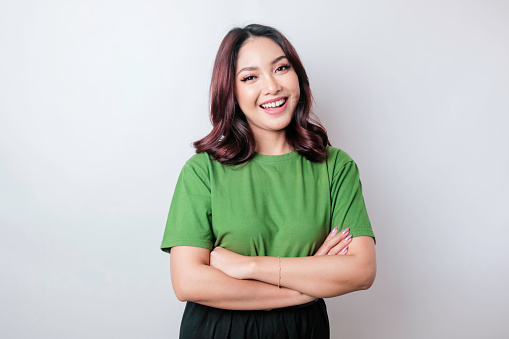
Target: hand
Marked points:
335	243
231	263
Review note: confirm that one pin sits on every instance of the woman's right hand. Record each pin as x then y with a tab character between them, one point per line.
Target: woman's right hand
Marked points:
335	243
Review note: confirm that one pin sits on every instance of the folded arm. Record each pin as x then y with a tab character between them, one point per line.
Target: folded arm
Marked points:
194	280
321	276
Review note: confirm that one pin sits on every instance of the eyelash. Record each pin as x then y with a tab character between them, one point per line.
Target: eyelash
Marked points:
247	78
284	67
280	68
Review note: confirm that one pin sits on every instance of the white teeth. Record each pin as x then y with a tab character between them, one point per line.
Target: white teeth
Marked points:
274	104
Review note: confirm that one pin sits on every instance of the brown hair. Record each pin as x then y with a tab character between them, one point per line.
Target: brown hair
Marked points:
231	141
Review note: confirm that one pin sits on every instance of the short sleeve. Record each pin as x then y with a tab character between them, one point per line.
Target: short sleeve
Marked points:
189	218
347	202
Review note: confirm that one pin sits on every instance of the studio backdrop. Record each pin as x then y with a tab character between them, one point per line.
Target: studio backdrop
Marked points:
100	102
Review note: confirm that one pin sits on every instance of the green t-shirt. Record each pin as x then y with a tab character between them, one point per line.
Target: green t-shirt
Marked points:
282	205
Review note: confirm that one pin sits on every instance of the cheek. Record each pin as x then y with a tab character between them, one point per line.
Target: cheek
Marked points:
295	88
296	94
246	97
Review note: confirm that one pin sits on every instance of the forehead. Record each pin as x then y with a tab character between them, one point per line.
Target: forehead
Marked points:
257	52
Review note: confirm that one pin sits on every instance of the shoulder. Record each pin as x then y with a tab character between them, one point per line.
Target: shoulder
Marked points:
202	160
202	165
198	166
340	164
337	157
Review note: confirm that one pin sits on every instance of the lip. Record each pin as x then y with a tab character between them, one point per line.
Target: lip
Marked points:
274	110
273	100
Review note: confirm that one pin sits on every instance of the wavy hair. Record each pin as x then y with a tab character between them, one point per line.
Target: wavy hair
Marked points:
231	140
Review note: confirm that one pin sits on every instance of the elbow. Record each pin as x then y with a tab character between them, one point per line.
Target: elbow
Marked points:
189	287
187	294
358	281
367	282
367	277
183	290
187	272
180	293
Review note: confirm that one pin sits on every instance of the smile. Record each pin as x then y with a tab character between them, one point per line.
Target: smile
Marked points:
277	103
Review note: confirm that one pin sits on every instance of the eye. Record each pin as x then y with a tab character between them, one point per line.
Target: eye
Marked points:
283	68
248	78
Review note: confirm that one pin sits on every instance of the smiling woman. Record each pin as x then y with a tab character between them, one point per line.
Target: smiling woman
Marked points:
231	140
267	92
267	218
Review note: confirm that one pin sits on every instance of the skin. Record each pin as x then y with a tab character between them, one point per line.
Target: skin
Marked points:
263	74
195	278
318	276
224	279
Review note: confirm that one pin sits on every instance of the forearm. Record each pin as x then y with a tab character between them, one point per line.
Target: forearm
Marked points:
200	283
320	276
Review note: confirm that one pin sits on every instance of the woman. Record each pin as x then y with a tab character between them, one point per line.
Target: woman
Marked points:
267	218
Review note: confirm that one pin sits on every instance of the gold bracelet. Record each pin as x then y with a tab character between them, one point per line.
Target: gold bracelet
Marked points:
279	281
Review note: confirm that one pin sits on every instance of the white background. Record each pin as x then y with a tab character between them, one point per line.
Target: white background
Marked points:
101	100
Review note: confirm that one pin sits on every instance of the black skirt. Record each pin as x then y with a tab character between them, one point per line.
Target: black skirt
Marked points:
308	321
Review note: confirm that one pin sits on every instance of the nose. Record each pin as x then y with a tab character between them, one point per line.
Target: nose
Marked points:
271	85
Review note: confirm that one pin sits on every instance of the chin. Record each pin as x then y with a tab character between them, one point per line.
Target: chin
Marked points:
281	126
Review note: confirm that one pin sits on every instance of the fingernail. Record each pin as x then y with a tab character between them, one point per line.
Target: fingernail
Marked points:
343	251
348	238
334	230
345	231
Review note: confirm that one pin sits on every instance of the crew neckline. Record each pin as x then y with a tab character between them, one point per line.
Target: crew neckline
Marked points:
275	158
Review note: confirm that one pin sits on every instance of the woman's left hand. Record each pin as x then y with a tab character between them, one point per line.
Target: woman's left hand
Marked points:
231	263
336	243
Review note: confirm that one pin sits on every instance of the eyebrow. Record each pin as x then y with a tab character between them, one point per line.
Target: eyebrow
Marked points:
251	68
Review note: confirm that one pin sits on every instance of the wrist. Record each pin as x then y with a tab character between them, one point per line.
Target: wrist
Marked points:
250	267
266	269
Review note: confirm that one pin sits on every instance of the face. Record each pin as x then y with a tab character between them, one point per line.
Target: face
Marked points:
266	86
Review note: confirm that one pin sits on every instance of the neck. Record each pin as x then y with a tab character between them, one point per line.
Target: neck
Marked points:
272	144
